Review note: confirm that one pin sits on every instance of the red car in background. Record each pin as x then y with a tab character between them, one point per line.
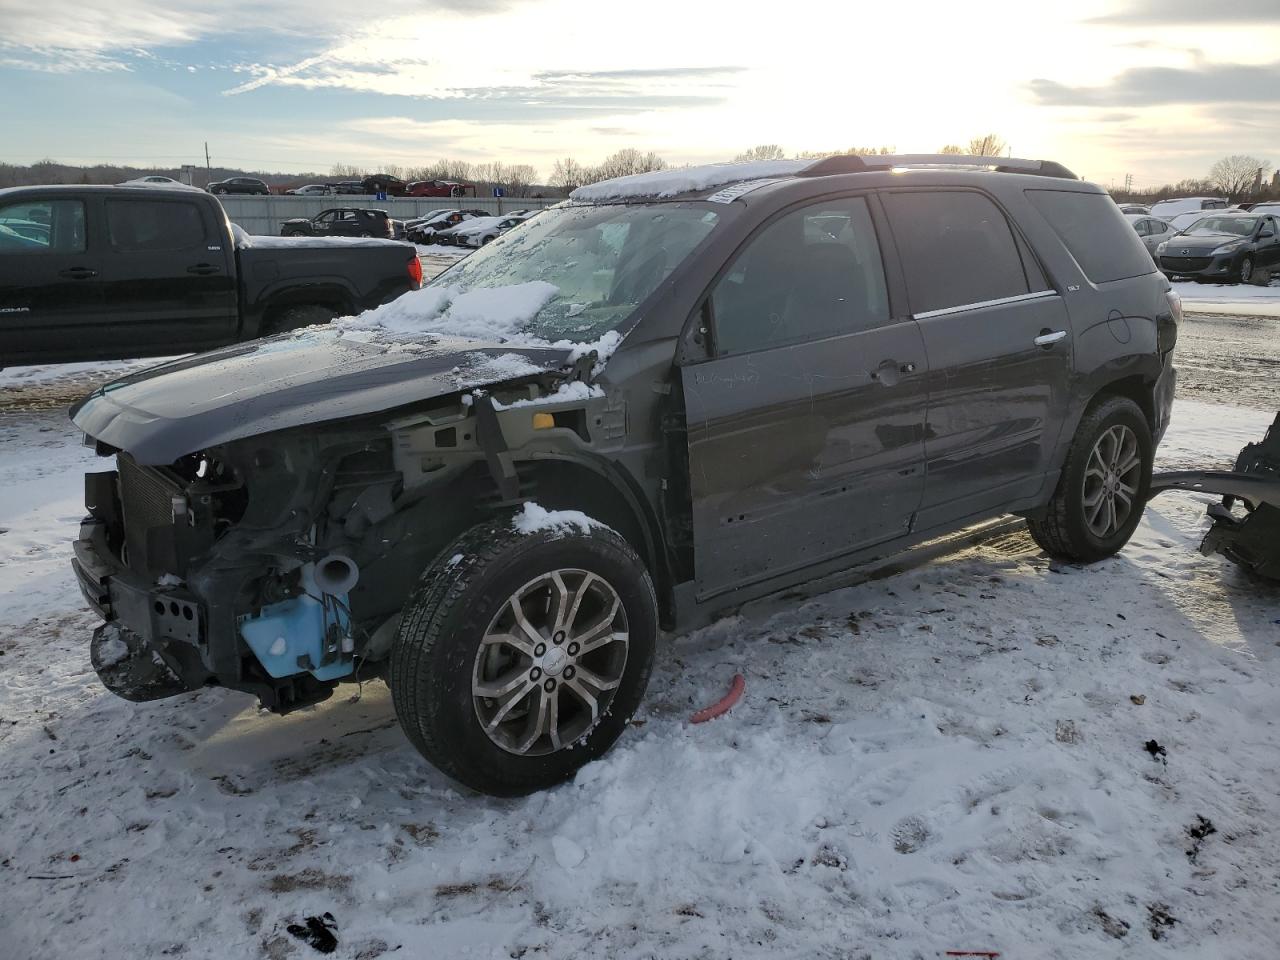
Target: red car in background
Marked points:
440	188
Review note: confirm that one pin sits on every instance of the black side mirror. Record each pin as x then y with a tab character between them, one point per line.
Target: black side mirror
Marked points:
1266	232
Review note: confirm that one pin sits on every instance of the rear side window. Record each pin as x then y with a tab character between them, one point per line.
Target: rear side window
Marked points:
146	225
957	249
815	272
42	226
1095	233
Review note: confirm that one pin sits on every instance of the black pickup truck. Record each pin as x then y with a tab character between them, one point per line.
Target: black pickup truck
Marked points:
112	272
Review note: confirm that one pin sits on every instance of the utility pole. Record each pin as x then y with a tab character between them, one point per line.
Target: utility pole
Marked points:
208	169
1128	182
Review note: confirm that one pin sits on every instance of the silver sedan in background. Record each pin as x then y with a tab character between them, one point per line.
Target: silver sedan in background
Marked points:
1152	230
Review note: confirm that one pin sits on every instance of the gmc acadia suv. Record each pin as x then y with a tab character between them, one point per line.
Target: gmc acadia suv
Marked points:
727	380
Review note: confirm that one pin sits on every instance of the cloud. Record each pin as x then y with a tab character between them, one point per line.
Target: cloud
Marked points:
52	28
1153	86
1199	12
645	73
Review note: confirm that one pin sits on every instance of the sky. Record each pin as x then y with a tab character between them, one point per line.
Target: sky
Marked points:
1156	89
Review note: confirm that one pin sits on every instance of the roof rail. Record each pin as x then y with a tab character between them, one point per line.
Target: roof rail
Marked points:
854	163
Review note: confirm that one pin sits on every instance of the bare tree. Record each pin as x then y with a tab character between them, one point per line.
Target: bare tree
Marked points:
1237	175
519	176
847	151
988	145
952	148
568	174
629	161
345	171
764	151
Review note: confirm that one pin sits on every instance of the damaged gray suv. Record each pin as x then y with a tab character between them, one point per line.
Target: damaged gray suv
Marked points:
671	394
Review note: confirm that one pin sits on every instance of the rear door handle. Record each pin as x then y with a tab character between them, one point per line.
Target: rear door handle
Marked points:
78	273
204	269
1049	337
888	370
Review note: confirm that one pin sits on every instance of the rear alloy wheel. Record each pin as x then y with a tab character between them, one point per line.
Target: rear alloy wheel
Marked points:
522	657
1102	489
1245	273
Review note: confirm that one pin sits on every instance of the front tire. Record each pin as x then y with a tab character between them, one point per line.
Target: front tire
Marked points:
1245	273
1103	487
521	657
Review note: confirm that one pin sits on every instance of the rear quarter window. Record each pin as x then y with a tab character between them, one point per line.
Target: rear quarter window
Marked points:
1095	233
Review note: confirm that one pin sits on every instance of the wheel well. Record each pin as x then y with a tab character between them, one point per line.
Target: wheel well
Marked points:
330	300
565	485
1137	389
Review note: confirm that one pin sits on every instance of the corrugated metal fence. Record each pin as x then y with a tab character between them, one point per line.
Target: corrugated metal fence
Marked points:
263	215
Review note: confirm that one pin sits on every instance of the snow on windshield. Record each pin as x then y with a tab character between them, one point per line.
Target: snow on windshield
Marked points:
495	314
604	261
492	314
669	183
1240	226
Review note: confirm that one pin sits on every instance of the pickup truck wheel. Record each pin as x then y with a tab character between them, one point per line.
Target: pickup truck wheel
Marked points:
292	318
1103	487
522	656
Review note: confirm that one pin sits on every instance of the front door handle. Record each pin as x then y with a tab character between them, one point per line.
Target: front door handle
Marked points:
78	273
204	269
1049	337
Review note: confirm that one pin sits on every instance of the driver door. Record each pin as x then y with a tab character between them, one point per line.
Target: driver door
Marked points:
806	424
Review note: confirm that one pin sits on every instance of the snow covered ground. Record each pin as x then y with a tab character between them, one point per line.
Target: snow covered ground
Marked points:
951	758
1239	299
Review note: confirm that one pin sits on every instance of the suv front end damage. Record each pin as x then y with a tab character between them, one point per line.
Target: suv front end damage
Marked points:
277	564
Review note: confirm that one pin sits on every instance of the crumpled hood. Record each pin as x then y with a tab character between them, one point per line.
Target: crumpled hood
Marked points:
291	380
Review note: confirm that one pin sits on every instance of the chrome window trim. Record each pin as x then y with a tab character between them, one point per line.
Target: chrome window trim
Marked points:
962	308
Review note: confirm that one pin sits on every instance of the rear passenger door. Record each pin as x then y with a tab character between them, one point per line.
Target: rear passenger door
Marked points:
806	422
50	283
167	278
999	349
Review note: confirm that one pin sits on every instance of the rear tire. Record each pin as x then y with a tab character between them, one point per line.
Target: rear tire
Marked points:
461	635
1102	491
296	317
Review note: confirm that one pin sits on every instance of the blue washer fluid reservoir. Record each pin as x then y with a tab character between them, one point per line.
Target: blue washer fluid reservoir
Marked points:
292	629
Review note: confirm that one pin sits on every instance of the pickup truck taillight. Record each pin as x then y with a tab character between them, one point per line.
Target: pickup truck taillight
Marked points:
415	272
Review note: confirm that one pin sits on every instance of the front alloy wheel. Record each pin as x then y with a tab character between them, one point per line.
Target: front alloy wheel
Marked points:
550	662
1246	269
522	656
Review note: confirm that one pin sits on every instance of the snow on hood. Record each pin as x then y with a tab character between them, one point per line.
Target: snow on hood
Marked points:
669	183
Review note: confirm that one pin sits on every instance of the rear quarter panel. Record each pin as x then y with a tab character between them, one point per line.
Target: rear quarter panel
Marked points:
347	278
1113	324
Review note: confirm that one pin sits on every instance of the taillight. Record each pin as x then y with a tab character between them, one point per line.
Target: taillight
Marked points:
1167	323
415	272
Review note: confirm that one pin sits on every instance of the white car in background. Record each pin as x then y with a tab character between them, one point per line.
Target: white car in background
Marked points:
1151	230
311	190
1167	209
482	230
155	180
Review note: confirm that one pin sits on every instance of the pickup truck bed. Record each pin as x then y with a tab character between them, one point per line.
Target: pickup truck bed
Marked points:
114	272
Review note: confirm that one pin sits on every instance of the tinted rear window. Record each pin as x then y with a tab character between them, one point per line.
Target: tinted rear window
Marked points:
138	225
1095	232
956	249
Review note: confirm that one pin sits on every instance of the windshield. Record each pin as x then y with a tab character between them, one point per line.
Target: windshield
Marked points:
604	260
1240	226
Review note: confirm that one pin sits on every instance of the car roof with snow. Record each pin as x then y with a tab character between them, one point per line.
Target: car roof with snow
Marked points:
726	182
